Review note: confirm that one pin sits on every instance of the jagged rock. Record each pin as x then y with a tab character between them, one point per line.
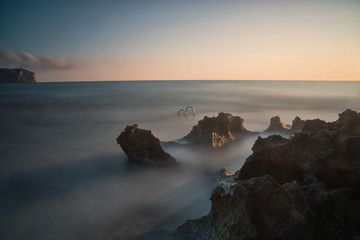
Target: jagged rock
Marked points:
271	140
16	75
277	126
260	208
297	124
282	172
319	146
142	146
305	187
337	177
216	131
225	179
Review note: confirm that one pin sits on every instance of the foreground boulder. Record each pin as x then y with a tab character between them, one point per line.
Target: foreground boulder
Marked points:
142	146
305	187
261	208
16	75
216	131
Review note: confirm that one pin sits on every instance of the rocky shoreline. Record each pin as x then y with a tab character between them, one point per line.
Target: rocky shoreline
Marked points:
141	145
303	187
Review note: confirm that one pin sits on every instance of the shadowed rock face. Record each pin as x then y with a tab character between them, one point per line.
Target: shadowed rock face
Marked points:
142	146
261	208
16	75
297	125
276	125
305	187
216	131
319	146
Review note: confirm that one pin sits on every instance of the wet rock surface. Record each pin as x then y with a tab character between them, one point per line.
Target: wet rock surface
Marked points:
16	75
142	146
305	187
216	131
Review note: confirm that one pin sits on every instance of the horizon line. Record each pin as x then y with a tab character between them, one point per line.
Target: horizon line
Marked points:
169	80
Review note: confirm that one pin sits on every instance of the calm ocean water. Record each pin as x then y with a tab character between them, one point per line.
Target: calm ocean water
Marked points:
62	175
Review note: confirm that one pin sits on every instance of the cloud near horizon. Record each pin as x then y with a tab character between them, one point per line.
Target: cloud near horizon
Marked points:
9	58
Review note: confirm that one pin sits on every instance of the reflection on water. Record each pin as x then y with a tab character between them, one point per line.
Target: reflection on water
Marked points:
62	175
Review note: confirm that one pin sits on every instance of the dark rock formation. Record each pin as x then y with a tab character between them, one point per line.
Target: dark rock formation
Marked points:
272	140
319	146
261	208
16	75
142	146
297	124
216	131
276	125
305	187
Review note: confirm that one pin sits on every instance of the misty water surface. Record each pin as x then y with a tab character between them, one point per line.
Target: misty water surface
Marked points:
62	175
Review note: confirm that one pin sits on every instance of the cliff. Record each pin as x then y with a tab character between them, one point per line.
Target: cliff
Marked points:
16	75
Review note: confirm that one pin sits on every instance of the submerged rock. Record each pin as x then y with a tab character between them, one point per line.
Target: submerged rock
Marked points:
16	75
142	146
216	131
305	187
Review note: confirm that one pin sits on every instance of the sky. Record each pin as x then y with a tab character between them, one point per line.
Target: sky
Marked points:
182	40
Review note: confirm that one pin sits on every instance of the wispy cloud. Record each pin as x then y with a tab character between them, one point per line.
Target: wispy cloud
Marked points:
9	58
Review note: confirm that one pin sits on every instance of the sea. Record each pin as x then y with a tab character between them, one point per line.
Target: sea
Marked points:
64	177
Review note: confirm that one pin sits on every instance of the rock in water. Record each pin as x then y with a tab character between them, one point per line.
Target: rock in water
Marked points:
276	125
326	147
297	125
305	187
142	146
16	75
216	131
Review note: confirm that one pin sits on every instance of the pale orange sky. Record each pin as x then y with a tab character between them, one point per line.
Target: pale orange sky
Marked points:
196	40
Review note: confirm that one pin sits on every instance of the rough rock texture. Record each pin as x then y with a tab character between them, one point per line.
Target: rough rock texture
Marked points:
297	124
276	125
216	131
305	187
328	147
224	179
142	146
261	208
16	75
